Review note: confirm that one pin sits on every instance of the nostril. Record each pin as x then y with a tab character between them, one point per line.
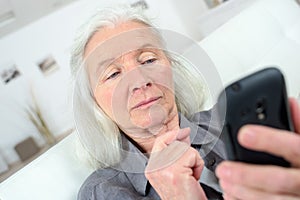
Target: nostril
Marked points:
142	86
135	89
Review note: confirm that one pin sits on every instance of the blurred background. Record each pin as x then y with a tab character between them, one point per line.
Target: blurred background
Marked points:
35	81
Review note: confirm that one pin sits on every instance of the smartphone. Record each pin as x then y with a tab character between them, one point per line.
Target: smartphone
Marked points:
260	98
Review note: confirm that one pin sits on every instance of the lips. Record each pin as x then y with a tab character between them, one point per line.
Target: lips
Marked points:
146	103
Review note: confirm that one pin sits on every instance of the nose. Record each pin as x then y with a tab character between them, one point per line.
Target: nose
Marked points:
139	80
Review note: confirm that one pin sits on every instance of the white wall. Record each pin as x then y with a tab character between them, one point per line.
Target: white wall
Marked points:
53	35
179	15
189	12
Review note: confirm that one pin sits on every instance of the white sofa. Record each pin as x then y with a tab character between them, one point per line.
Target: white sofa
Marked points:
56	174
265	33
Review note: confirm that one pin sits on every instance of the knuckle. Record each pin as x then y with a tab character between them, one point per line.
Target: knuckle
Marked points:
295	148
281	180
292	181
297	184
240	175
294	152
194	152
166	174
148	175
152	175
170	176
198	157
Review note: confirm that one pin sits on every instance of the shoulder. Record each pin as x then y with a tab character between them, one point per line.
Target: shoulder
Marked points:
202	116
207	118
98	180
107	183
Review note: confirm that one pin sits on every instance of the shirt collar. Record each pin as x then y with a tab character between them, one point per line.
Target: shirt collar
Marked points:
134	162
200	130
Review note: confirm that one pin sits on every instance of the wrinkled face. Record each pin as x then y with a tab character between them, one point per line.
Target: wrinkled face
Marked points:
131	76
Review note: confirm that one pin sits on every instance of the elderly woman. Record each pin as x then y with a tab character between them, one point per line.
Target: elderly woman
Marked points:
129	92
137	111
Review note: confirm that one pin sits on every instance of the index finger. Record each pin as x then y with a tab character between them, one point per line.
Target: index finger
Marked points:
295	112
278	142
166	139
167	156
263	177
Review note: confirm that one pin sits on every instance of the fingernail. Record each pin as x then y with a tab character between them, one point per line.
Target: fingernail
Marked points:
247	135
183	133
225	196
223	171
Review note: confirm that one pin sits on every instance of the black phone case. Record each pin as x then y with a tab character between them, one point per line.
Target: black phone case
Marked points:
259	98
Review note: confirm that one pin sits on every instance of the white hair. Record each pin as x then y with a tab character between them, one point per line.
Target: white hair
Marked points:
98	134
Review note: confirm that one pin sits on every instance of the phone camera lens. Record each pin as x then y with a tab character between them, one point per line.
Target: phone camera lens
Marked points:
261	116
260	110
260	107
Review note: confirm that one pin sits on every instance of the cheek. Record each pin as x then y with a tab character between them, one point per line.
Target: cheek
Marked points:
104	99
168	93
162	75
112	99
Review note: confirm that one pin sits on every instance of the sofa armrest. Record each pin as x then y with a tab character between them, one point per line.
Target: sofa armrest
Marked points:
56	174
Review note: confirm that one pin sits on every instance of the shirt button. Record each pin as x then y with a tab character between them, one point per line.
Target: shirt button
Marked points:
212	162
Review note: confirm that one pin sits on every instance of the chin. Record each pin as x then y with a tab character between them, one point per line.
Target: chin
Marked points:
152	117
145	122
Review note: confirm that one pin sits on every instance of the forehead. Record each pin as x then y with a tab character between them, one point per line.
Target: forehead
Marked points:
128	34
112	42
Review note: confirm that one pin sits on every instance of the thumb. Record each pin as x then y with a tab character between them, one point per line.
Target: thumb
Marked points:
168	138
184	136
295	112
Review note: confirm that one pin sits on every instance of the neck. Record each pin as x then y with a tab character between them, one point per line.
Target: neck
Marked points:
146	139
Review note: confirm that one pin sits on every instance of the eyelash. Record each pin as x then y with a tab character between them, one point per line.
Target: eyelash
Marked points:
113	75
148	61
116	73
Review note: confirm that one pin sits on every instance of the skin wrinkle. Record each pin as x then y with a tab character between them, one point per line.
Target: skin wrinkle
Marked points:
168	118
145	124
126	40
240	191
242	176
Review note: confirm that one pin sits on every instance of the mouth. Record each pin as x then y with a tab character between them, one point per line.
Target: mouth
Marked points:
147	103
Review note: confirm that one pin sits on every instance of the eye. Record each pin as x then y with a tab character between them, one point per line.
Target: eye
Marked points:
148	61
113	75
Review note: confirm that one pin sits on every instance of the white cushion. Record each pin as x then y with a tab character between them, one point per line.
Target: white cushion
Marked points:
267	33
219	15
56	174
286	56
285	12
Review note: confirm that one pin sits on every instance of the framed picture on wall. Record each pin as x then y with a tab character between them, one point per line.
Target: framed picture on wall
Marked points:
48	65
139	3
9	73
213	3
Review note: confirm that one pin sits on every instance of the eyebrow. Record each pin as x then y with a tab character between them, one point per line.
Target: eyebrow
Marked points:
105	61
100	64
147	45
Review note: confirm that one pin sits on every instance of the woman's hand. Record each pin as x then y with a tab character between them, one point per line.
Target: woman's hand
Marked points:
245	181
174	167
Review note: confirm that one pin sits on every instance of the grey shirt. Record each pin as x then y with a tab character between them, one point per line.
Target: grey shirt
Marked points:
127	180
